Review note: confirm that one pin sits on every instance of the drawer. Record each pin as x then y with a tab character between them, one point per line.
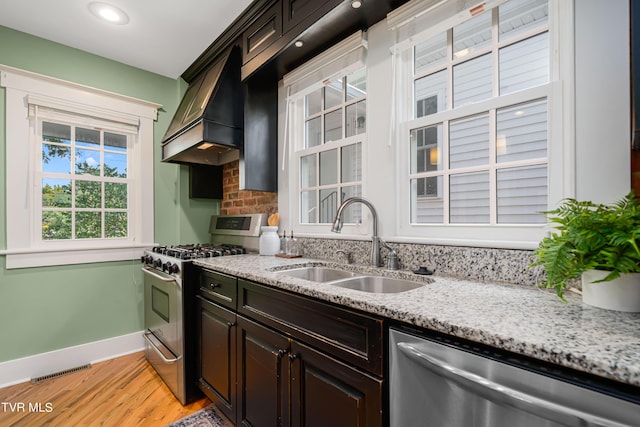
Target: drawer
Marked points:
348	335
219	288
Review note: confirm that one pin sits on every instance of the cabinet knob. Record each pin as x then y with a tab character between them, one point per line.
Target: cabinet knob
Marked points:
231	324
282	352
293	356
214	285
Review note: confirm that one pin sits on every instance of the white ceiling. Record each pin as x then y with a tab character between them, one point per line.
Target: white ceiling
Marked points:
162	36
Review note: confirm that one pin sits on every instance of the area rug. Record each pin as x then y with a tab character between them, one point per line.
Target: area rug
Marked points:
205	417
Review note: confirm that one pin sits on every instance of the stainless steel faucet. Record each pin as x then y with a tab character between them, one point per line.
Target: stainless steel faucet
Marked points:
336	227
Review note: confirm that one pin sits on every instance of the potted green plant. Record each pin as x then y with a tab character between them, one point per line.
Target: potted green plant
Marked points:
597	242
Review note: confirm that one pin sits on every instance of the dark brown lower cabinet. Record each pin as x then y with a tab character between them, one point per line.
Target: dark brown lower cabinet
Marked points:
281	359
327	392
282	382
263	376
217	368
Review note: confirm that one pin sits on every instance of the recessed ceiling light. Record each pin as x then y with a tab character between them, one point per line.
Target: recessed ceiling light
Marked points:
299	43
356	4
109	13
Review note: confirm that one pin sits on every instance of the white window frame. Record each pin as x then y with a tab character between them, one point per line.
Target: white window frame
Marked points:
25	91
339	61
559	96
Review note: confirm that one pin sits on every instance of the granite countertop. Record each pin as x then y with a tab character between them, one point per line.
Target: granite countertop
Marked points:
521	319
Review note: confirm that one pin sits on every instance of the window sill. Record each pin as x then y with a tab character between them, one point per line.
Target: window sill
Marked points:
81	255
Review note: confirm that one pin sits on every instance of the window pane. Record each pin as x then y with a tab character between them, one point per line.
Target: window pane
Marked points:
115	224
308	207
522	195
333	94
308	171
115	165
88	162
352	214
87	138
351	159
329	167
472	81
356	119
522	132
313	103
524	64
431	94
469	141
333	126
88	225
356	84
88	194
426	149
329	202
56	193
427	205
313	132
430	53
472	35
469	198
55	132
56	225
115	141
56	158
115	195
518	16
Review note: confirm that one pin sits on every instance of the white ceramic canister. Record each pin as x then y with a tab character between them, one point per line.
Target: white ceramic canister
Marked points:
269	240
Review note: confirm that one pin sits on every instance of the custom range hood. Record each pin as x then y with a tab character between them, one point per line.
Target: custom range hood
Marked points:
208	125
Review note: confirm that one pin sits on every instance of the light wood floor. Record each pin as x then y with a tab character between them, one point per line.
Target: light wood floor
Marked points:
121	392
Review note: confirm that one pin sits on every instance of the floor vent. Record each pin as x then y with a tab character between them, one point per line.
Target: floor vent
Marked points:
59	374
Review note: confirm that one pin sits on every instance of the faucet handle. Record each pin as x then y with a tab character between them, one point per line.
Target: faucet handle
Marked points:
392	262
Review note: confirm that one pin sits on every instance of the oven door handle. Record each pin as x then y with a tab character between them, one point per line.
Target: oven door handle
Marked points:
502	394
157	276
157	350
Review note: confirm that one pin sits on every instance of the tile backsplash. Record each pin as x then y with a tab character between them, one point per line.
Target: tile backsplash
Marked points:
483	264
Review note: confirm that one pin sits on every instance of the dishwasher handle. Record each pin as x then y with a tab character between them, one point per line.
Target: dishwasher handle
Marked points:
501	394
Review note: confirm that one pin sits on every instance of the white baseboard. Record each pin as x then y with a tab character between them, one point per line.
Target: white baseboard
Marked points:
22	370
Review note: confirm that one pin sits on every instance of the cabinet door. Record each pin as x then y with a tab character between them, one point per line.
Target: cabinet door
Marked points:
217	367
326	392
262	33
263	376
295	11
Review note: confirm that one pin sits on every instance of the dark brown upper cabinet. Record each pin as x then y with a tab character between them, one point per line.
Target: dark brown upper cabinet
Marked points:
262	33
295	11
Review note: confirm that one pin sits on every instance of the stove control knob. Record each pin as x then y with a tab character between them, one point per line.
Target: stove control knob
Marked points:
157	263
148	259
173	268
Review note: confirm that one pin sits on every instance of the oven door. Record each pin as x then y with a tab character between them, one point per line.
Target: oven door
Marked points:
163	309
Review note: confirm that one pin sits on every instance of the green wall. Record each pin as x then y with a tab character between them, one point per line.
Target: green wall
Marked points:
49	308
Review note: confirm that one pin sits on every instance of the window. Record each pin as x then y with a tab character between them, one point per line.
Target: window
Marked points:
85	159
475	138
84	182
327	133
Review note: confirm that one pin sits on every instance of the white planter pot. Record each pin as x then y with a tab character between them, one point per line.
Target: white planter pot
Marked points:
621	294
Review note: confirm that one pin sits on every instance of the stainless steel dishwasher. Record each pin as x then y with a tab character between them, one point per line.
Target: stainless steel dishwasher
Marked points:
443	383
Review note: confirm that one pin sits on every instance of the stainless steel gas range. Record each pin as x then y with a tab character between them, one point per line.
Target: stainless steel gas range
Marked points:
169	295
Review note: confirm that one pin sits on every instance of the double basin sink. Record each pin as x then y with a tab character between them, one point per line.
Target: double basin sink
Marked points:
353	280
